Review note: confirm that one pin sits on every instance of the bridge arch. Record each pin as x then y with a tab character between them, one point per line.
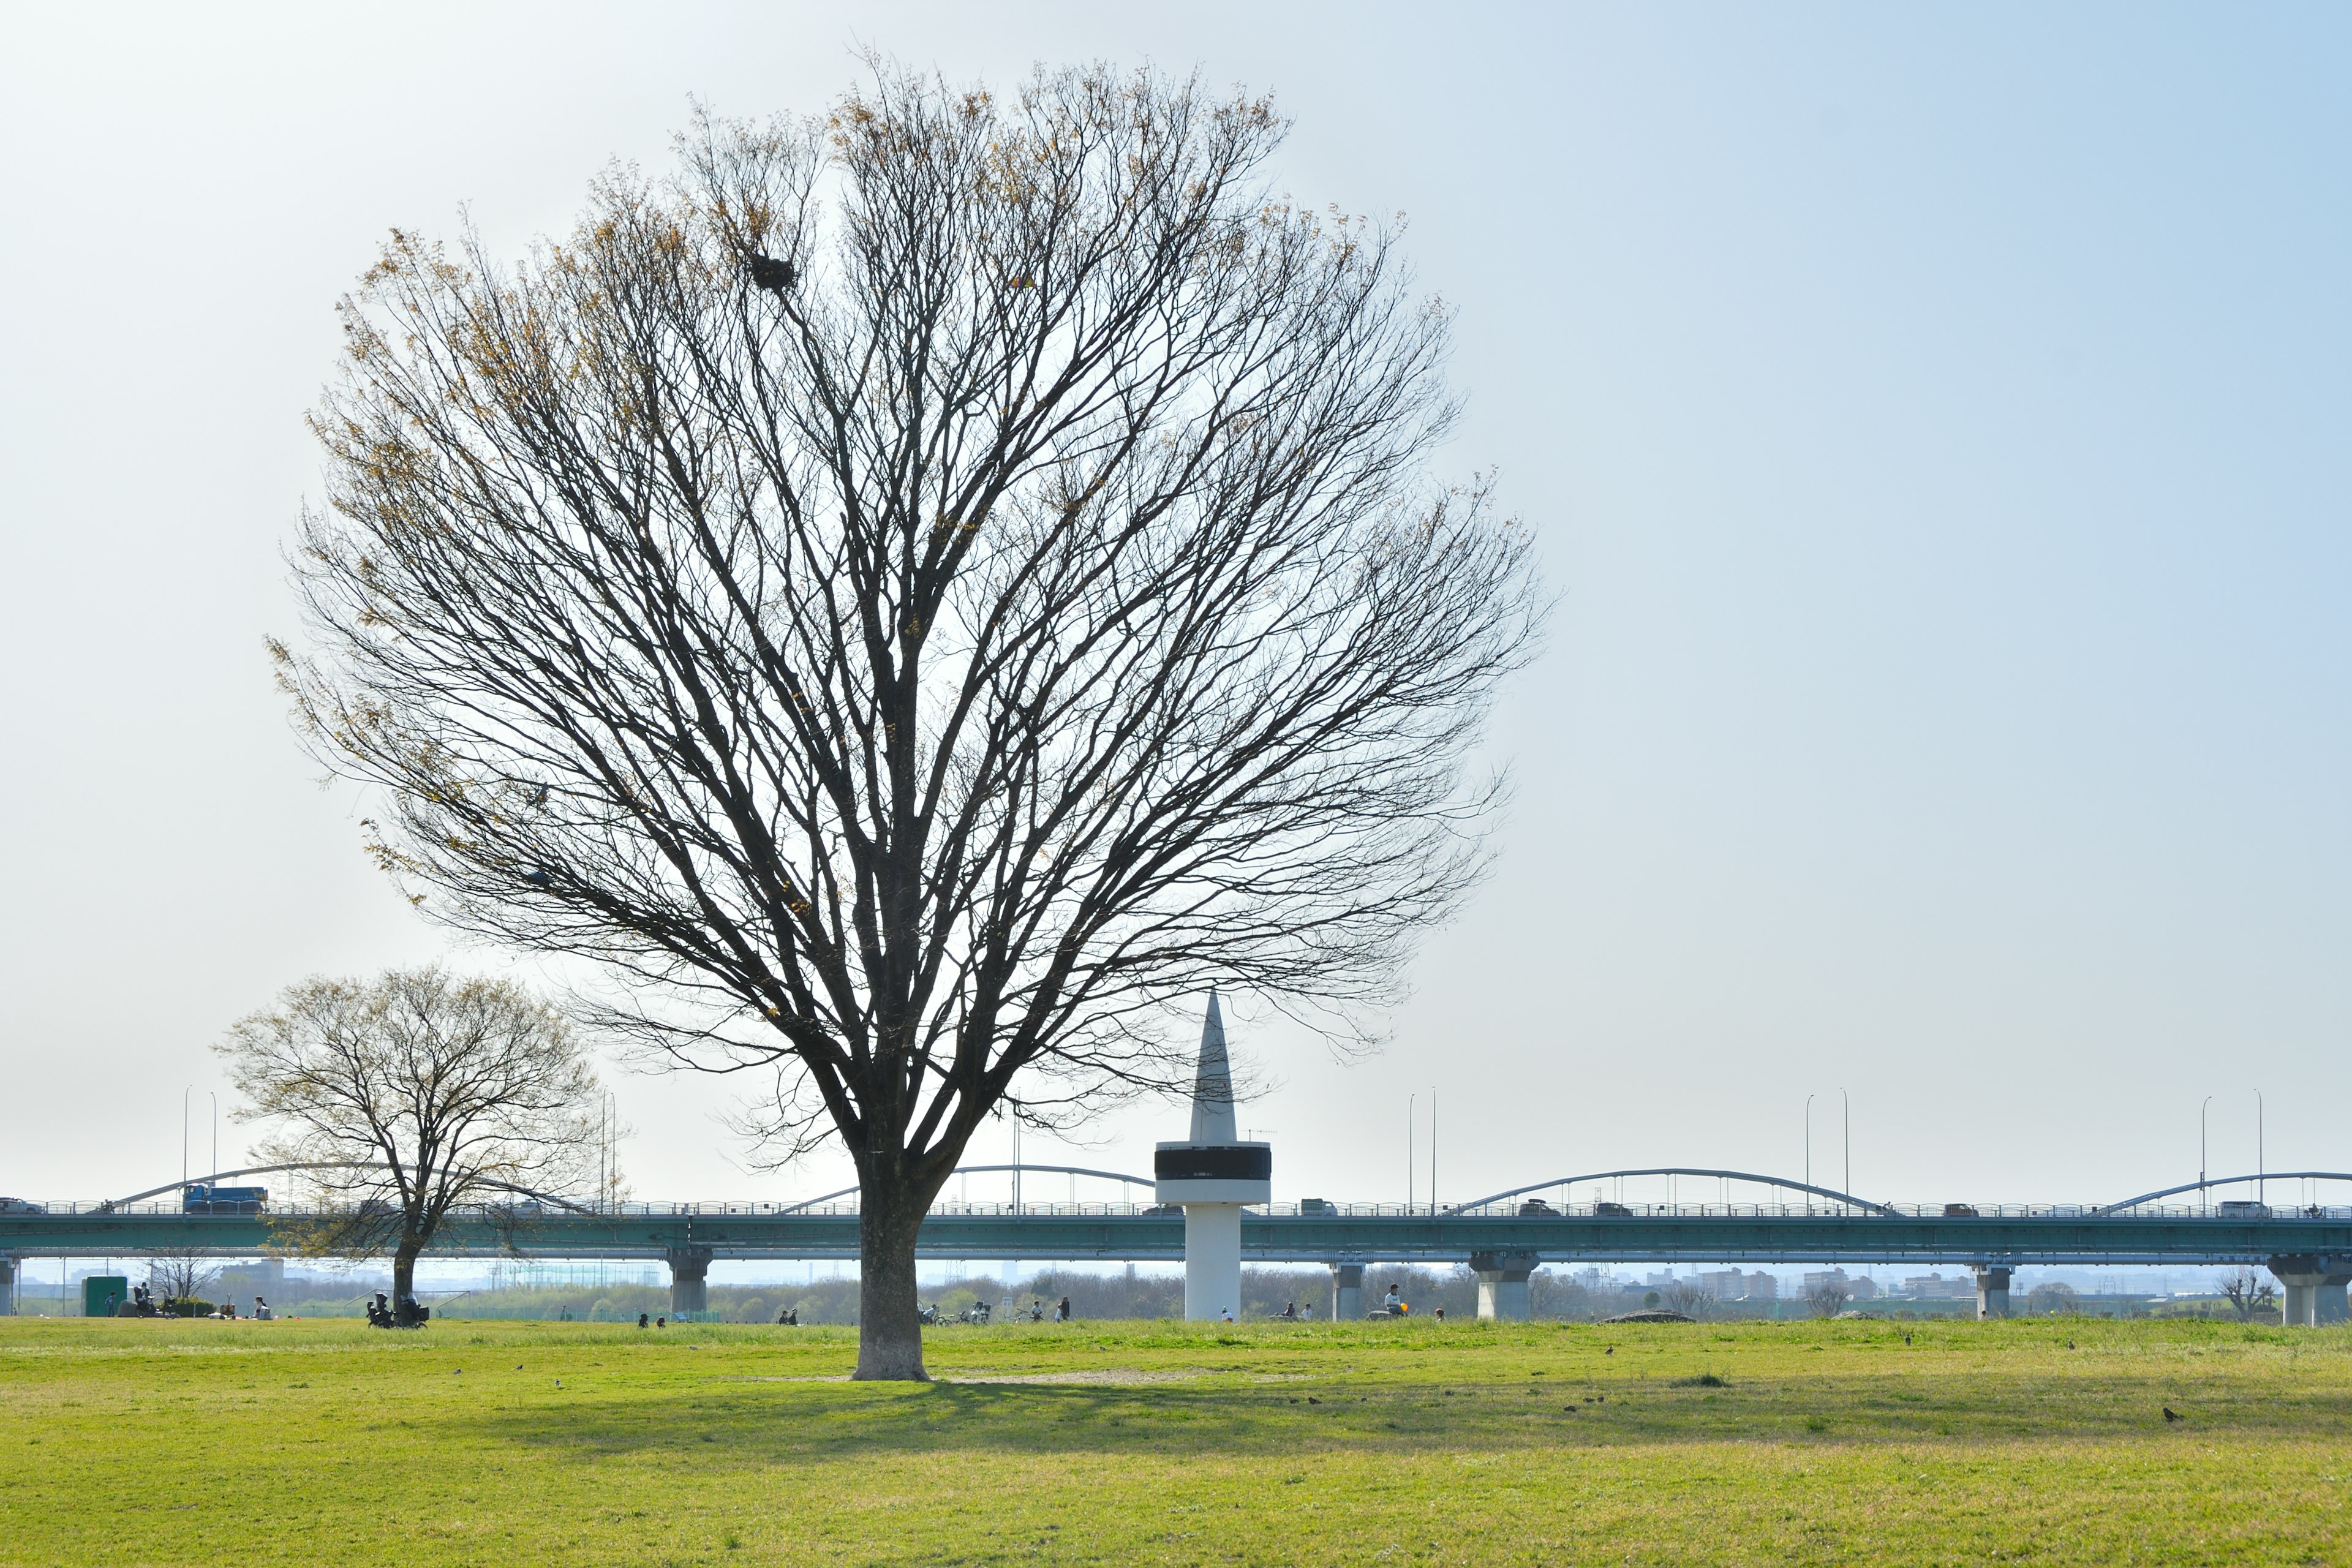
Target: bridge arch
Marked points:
2210	1181
982	1170
333	1165
1829	1193
577	1207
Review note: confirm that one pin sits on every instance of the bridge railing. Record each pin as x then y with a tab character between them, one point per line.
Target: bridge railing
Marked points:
2170	1213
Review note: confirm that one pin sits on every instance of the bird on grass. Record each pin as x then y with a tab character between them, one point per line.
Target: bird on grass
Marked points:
770	273
2172	1415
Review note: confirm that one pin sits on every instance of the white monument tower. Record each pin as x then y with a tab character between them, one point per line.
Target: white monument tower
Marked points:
1212	1174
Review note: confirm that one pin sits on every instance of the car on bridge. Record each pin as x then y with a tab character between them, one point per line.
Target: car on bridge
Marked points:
18	1206
1611	1211
2244	1209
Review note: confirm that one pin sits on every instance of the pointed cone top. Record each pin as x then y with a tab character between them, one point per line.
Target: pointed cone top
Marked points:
1213	1084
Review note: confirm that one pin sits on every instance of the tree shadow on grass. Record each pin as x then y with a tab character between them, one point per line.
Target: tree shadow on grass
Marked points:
805	1423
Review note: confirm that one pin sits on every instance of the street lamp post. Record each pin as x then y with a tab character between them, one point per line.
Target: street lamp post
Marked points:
2204	1199
1809	1153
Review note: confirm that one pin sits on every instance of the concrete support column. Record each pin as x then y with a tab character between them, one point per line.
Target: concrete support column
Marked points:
2305	1280
1503	1294
1347	1291
689	1275
7	1286
1992	1290
1213	1260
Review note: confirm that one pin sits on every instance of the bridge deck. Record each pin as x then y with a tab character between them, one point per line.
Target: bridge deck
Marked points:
1115	1232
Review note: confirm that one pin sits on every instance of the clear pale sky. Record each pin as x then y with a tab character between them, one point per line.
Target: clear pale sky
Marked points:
1936	423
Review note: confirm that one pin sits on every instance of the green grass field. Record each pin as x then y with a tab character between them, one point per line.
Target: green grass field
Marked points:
247	1444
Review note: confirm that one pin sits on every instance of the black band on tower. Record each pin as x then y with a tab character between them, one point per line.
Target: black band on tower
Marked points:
1214	1163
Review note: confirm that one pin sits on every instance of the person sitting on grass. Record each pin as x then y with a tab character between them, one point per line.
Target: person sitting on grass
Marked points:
641	1319
261	1311
1289	1313
1394	1301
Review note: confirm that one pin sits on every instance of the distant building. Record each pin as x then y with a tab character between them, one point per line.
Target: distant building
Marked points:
1724	1284
1935	1288
1856	1287
1763	1287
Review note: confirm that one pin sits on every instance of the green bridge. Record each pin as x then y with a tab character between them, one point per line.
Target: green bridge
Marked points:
1653	1233
1503	1238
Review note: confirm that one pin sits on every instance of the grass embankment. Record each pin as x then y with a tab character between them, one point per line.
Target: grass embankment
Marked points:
513	1443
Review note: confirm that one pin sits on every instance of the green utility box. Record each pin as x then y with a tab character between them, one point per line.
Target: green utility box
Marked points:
102	1293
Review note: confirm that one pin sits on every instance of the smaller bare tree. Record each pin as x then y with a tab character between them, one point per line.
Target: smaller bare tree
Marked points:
1689	1297
409	1096
2247	1295
1828	1299
180	1276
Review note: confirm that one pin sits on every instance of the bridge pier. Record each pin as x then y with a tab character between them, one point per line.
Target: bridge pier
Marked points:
2304	1279
689	1275
1347	1291
7	1286
1992	1290
1503	1294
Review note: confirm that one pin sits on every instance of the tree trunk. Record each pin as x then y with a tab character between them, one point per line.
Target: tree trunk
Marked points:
404	1276
889	1327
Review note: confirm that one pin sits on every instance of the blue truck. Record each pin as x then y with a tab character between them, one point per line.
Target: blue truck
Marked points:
203	1199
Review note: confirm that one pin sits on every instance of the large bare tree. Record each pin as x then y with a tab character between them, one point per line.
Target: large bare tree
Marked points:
920	591
408	1096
